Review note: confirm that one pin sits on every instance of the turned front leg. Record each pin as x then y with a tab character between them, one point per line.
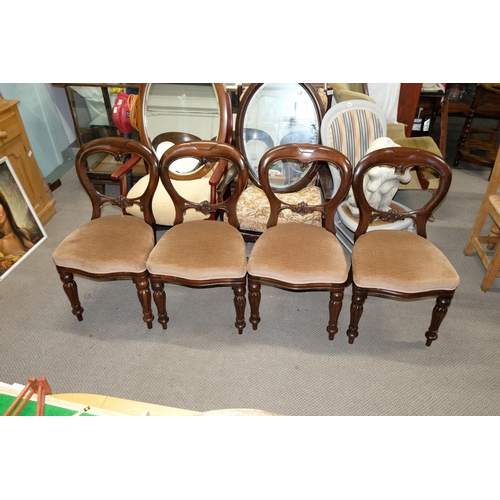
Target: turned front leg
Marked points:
71	290
160	301
144	294
240	303
358	299
335	305
254	299
438	314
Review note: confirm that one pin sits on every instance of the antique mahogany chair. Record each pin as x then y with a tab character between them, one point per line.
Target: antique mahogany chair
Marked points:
270	114
299	255
201	253
484	244
172	113
111	247
400	264
353	127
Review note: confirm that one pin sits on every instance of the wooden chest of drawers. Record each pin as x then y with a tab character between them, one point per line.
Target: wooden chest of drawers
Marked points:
14	144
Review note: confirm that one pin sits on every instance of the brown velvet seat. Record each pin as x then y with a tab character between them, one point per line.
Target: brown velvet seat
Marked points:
201	253
112	246
400	264
298	255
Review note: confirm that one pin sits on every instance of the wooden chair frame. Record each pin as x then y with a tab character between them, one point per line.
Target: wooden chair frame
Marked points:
480	243
402	159
120	148
206	151
314	155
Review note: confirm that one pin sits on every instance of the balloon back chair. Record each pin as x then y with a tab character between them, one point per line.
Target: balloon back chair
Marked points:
172	113
299	255
111	247
201	253
355	128
271	114
400	264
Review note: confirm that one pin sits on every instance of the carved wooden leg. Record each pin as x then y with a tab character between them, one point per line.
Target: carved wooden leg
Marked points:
160	301
358	299
240	303
336	297
71	291
438	314
144	294
254	299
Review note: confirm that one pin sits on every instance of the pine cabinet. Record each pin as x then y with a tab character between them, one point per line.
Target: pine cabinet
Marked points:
14	144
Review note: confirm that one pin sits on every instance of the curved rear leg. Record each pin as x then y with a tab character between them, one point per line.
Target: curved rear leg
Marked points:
240	303
254	299
358	299
438	314
71	291
160	301
144	294
335	305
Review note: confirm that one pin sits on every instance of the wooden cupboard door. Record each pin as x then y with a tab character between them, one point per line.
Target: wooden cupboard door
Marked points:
23	163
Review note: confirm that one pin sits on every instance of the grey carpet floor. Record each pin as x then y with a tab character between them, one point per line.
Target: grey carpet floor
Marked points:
287	366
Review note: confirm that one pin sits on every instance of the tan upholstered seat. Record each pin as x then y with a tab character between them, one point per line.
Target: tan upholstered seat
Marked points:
317	255
422	269
299	255
111	246
201	253
182	252
400	264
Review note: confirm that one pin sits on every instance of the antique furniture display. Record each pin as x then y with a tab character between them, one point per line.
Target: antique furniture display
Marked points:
271	114
201	253
110	247
91	106
171	113
400	264
479	144
400	132
353	127
487	246
14	144
298	255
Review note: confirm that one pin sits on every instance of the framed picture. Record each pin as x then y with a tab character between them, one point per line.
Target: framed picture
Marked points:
20	229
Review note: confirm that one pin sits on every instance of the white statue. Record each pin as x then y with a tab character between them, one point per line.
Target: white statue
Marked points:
380	184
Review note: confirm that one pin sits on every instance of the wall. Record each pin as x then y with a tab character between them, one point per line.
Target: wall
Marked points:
45	113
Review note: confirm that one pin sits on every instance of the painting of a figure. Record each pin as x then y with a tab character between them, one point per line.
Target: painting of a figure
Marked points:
20	228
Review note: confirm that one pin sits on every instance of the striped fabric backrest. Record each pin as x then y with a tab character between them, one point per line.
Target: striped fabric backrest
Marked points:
351	130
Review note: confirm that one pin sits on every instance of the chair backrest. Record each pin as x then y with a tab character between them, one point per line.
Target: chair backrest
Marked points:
120	148
276	110
401	159
351	126
208	153
305	157
202	110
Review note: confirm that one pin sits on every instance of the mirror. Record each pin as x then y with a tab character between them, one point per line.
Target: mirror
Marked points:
199	111
272	114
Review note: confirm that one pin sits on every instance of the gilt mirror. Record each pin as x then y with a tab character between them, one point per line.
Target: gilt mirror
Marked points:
191	110
272	114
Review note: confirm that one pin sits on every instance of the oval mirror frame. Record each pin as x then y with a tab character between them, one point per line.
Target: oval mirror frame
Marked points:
223	131
245	134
